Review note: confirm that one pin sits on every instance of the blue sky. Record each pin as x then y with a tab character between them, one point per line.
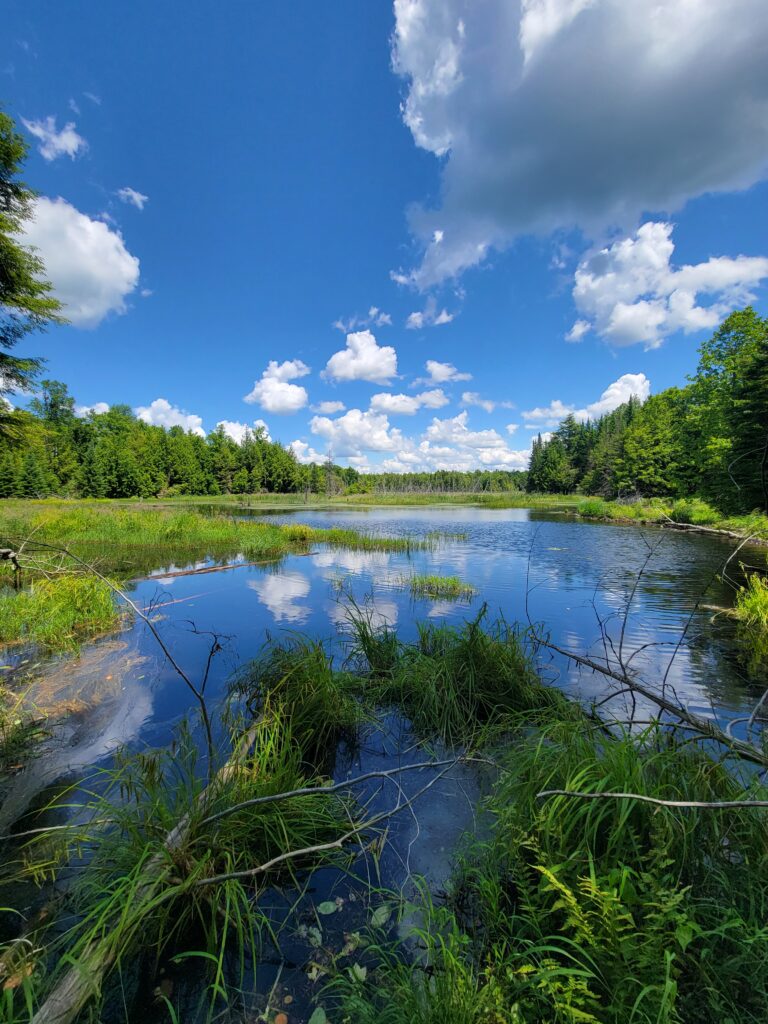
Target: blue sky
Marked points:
557	198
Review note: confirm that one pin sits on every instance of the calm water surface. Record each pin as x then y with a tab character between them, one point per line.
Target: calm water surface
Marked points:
566	574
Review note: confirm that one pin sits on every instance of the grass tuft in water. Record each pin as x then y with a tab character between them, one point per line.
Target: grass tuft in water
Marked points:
452	683
57	613
142	893
318	699
449	587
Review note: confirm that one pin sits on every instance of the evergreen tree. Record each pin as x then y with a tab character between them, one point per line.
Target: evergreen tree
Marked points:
33	482
26	303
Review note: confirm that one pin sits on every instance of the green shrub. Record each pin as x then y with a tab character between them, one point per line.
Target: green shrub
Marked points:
694	511
592	508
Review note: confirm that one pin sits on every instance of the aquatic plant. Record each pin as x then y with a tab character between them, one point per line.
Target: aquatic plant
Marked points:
178	862
603	911
318	700
450	587
752	602
695	512
57	613
452	683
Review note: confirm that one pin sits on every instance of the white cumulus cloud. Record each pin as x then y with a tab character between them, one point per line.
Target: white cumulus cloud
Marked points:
132	197
54	142
553	114
87	262
305	454
629	385
357	432
274	393
161	413
407	405
363	359
97	409
630	293
442	373
237	430
328	408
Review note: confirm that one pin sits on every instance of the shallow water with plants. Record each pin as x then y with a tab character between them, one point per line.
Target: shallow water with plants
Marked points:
398	691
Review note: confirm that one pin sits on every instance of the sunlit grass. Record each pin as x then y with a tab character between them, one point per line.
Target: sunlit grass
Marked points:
449	587
57	613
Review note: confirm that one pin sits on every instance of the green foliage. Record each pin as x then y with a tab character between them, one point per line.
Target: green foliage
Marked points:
452	683
141	893
752	602
695	512
57	613
450	587
591	911
319	701
708	440
26	303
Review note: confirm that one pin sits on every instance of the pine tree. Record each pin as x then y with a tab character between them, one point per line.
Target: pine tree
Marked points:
26	303
33	483
9	482
93	481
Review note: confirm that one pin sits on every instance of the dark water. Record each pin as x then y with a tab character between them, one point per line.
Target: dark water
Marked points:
574	577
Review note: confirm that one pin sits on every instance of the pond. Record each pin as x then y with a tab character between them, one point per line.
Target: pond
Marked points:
573	577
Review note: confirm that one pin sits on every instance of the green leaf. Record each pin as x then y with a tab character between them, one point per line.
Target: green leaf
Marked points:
318	1017
358	973
329	907
381	915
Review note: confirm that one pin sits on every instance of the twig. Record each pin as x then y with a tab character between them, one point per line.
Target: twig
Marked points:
703	804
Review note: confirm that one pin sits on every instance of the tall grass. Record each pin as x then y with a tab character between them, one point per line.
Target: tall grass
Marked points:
452	683
448	587
319	700
57	613
593	912
142	894
128	540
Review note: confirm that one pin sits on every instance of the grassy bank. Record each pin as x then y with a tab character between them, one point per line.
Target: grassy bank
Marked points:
574	911
489	499
684	512
69	607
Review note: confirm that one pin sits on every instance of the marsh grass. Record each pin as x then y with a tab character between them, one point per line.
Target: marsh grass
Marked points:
319	700
19	728
449	587
141	893
131	540
451	683
592	912
685	511
352	539
57	613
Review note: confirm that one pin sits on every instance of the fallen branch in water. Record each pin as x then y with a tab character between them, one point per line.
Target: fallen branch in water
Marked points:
748	751
703	804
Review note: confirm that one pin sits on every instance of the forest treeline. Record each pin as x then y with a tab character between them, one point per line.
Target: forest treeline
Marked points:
115	455
707	440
